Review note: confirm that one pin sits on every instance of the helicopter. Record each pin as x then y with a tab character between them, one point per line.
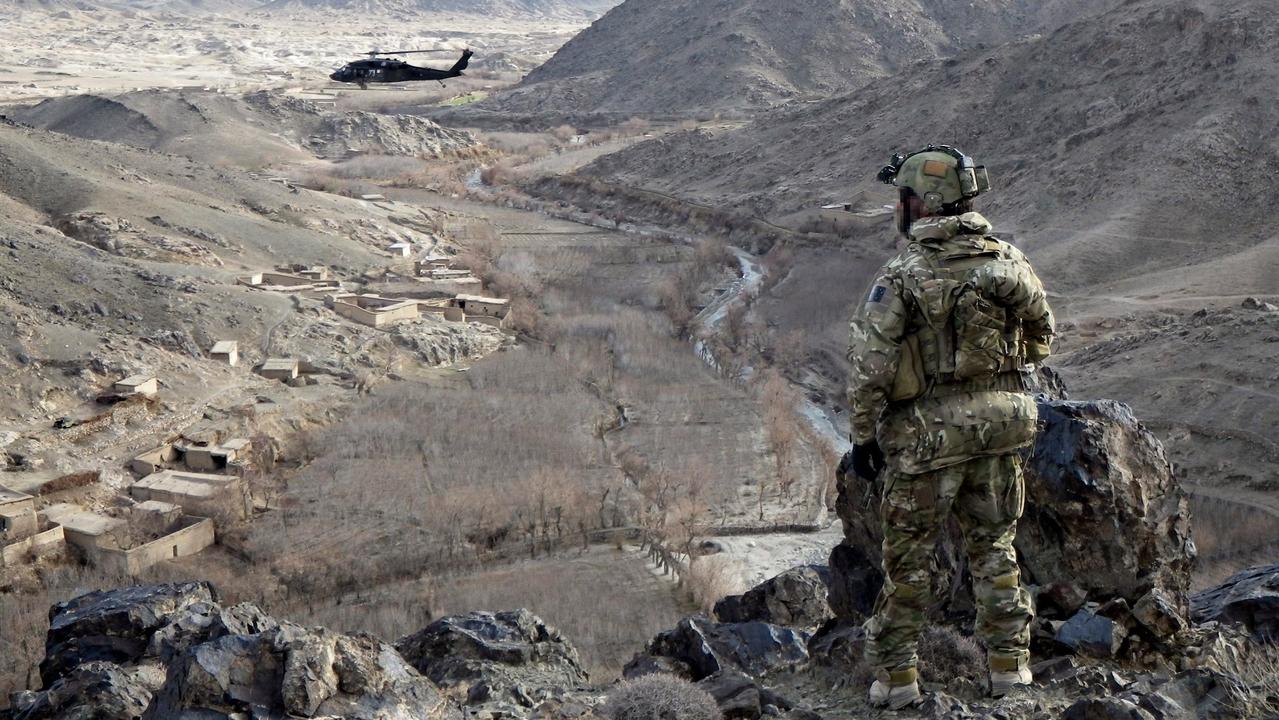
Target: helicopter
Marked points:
378	69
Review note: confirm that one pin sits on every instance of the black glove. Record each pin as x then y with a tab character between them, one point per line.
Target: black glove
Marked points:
867	460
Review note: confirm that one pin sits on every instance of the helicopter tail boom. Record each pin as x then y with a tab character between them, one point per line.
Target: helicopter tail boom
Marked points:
461	64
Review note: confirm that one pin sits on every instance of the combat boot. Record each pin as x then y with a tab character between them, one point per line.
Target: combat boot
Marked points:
1007	673
895	690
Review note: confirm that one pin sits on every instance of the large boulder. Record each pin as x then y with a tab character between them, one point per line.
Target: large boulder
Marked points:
1104	511
1250	598
299	673
114	626
796	598
171	651
1105	520
508	657
698	648
111	691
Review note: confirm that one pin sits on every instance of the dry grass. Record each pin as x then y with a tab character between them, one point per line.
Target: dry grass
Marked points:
1230	537
711	578
1258	695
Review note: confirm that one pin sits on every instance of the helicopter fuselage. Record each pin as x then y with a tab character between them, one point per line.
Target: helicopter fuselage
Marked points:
391	70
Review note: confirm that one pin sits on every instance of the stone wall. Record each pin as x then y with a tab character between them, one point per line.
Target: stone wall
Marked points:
39	544
197	535
119	414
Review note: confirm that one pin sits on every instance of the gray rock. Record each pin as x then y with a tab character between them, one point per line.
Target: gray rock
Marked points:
1250	598
736	694
1091	634
796	598
112	692
1200	693
1104	510
1158	615
1108	708
509	657
856	577
298	672
115	626
706	648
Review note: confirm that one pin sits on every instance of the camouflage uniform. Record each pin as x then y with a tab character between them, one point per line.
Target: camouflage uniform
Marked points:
936	353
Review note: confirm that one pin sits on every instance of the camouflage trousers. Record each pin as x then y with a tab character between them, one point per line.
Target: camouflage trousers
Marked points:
987	495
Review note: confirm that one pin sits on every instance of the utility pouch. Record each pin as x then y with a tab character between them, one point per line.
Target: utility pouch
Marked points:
980	346
910	381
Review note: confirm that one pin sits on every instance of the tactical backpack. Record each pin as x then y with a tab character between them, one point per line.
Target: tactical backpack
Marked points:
958	335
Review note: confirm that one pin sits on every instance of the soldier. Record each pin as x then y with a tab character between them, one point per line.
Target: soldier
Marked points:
939	404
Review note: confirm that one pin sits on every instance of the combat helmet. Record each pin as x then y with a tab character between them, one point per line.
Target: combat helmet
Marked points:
939	175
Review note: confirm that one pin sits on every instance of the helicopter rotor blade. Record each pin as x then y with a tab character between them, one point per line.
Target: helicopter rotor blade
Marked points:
406	52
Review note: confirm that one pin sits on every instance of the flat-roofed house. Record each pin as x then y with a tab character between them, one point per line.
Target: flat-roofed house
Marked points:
213	496
145	385
17	516
280	369
372	310
227	351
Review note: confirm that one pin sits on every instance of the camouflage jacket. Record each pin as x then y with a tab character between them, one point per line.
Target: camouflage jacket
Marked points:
899	310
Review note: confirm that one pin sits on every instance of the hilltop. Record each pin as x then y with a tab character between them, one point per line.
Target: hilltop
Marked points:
698	57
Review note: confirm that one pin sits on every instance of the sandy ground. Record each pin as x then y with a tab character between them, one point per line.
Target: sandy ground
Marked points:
69	51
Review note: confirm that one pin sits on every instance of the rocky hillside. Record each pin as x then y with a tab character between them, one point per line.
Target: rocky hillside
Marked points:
1153	139
697	57
243	131
119	260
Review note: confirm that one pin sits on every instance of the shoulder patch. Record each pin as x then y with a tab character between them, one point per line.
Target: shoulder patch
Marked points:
877	294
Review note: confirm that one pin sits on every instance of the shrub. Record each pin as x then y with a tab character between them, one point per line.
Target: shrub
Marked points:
660	697
710	579
945	655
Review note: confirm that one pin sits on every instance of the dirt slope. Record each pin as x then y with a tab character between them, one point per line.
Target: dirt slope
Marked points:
246	131
692	57
118	260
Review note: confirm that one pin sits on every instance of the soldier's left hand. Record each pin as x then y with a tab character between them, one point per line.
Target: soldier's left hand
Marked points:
868	460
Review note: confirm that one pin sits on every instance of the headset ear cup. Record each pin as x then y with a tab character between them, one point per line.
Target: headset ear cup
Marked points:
934	201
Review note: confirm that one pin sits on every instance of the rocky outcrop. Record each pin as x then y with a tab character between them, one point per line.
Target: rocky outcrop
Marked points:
1104	512
1105	521
796	598
505	658
399	135
698	648
300	672
170	651
1249	598
115	626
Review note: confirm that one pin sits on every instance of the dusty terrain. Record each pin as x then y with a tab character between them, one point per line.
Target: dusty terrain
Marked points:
657	394
692	58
